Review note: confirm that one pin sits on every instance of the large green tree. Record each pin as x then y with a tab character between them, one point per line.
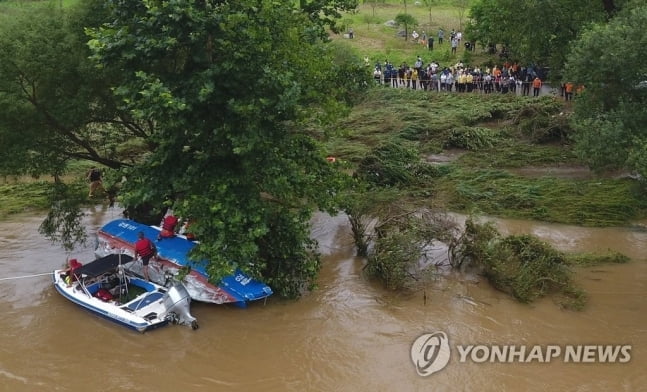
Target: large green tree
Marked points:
610	116
215	106
56	105
534	31
233	89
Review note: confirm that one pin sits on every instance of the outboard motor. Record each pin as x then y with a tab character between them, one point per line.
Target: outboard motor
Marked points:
177	301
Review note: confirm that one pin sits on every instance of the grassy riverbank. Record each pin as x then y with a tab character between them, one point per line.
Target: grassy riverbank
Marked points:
25	194
23	197
475	149
502	155
377	41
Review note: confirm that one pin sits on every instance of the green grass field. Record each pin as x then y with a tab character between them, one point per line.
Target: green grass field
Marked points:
379	42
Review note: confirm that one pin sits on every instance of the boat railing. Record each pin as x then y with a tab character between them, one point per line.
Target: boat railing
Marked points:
83	286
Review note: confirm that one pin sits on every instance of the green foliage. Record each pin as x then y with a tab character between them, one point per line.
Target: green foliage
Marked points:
522	265
482	179
394	164
362	203
610	115
56	105
415	116
536	32
406	20
393	258
472	138
63	223
581	202
402	241
288	257
24	197
445	55
326	13
514	153
542	124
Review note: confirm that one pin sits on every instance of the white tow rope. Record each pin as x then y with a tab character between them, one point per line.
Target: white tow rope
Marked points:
25	276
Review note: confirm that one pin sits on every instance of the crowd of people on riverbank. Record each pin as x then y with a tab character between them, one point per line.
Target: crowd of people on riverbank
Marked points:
506	78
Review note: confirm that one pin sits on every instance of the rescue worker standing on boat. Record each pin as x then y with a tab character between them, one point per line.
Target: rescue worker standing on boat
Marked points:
145	249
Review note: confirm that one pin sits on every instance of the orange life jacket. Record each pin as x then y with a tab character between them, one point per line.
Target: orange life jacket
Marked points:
168	226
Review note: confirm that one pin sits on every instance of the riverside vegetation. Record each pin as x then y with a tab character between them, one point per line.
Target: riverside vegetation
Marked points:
387	141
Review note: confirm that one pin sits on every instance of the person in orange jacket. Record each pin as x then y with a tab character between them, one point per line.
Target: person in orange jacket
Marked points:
568	91
536	86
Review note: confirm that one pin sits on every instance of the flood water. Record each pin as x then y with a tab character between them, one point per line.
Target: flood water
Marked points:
348	335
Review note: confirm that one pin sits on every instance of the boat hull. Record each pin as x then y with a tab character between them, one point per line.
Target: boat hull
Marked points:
172	255
107	311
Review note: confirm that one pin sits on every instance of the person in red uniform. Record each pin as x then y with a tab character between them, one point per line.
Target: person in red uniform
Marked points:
168	227
72	266
145	249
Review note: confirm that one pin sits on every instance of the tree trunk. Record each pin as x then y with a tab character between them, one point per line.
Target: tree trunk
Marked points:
609	7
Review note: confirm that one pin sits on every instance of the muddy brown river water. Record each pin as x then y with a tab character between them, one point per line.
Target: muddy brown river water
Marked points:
348	335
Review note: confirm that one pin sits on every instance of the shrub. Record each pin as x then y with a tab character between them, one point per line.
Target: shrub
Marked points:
472	138
395	164
520	265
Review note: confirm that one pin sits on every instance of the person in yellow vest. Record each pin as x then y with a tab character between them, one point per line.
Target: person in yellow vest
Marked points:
407	77
461	82
469	81
414	78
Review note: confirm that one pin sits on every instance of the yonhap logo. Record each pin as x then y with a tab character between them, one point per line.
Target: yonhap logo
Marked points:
430	353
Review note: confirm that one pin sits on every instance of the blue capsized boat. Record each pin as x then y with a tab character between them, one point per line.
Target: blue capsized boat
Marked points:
119	236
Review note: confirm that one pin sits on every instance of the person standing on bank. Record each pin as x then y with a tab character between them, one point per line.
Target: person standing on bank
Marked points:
146	250
94	176
536	86
568	91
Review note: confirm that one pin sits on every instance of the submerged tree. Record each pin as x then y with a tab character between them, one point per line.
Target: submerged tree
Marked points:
520	265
